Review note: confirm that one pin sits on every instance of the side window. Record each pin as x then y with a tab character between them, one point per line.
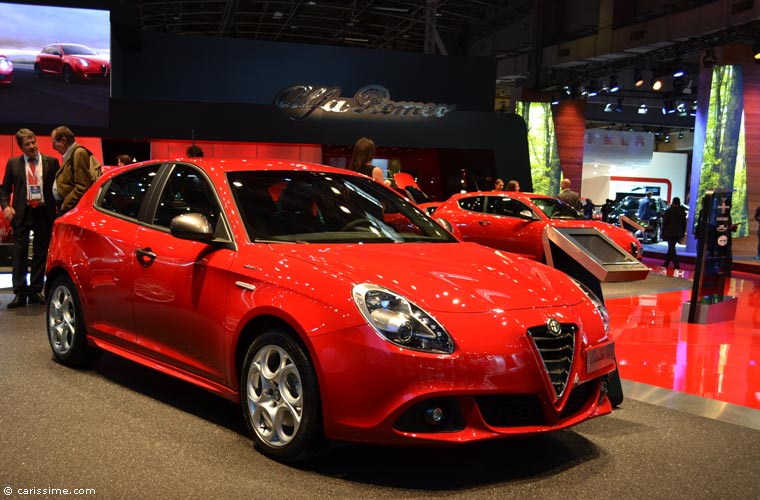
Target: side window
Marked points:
507	207
186	191
125	193
474	204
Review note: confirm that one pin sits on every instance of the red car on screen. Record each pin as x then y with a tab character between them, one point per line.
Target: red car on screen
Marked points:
328	305
6	70
72	61
515	221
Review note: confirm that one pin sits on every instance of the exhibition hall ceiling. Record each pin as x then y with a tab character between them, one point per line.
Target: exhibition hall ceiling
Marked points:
585	42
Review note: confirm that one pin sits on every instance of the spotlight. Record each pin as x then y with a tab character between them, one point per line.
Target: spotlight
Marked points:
567	89
682	109
678	71
680	134
638	77
593	88
756	50
608	107
667	138
643	109
613	85
709	59
656	83
619	107
555	101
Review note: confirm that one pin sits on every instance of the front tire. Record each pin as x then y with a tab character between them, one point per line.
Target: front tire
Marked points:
280	398
65	325
38	71
68	74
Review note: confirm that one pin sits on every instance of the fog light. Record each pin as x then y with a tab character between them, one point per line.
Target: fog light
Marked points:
434	416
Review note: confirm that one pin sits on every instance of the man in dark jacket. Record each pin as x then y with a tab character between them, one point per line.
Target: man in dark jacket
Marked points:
29	180
673	229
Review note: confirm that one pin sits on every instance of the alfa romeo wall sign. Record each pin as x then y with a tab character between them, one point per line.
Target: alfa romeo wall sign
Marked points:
300	101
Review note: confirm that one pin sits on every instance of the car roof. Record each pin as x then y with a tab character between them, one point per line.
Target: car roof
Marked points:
237	164
511	194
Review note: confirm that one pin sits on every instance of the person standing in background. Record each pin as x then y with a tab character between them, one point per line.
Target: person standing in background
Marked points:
568	196
194	151
673	230
29	179
588	209
513	185
73	178
122	160
498	185
645	214
361	160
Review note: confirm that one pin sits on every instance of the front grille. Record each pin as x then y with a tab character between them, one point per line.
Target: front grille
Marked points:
513	410
522	410
578	398
557	353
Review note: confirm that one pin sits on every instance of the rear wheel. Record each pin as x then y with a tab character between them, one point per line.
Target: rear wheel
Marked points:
65	324
280	399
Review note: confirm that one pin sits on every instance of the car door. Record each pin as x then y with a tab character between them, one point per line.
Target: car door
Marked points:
110	314
180	286
467	216
512	229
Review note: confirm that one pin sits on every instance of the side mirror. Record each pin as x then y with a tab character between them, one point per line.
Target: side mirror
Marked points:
192	226
527	215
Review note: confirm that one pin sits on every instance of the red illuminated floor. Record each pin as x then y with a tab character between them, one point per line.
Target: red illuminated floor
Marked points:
717	361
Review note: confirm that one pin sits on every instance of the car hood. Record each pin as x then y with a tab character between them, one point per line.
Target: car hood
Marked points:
455	277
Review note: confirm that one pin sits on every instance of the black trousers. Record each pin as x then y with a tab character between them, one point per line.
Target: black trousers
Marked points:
671	256
37	227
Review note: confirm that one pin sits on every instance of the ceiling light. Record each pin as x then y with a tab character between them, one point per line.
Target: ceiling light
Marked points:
277	14
619	107
643	109
678	71
555	101
390	9
355	39
638	77
608	107
593	88
613	85
756	50
656	84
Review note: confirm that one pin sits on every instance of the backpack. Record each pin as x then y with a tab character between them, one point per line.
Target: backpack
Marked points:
95	169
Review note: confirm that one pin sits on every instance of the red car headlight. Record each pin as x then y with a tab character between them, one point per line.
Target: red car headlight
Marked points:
400	321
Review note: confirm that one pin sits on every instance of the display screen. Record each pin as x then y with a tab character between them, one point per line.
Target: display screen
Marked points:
55	66
600	248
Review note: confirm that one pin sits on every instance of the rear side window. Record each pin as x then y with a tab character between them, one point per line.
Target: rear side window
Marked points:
473	204
125	193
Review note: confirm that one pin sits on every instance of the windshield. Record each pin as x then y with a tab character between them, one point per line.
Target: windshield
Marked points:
317	207
555	209
79	50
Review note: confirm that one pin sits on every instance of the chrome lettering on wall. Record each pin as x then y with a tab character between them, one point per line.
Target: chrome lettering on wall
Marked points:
302	100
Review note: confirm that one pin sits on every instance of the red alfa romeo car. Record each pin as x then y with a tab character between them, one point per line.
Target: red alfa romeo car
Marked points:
329	306
6	70
72	61
514	221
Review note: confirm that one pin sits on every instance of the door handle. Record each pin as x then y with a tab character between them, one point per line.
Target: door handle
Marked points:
145	256
484	223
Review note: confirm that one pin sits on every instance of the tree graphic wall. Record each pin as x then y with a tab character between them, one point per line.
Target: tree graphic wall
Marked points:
545	170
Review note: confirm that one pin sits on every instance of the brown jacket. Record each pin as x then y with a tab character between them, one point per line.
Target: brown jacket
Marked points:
73	178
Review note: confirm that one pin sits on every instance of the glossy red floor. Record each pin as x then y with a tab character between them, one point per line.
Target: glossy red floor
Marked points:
717	361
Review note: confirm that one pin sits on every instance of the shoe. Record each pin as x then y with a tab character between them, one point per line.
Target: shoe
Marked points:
36	298
18	301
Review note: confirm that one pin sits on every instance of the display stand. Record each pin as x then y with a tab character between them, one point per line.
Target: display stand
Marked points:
708	303
592	258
